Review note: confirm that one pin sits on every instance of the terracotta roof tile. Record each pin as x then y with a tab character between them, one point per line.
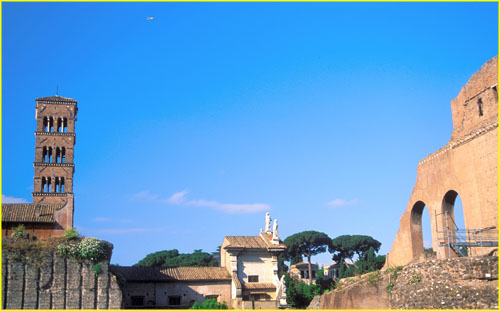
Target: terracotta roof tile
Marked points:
237	282
27	212
259	286
246	241
168	274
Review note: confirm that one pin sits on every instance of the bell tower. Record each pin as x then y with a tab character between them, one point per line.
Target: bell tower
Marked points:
54	151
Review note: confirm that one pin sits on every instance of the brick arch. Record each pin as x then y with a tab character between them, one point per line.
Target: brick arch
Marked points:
417	240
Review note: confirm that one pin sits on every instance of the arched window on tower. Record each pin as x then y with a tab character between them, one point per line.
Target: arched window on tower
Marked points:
62	184
56	183
45	124
44	154
63	155
49	156
44	185
65	125
51	124
59	125
49	184
58	155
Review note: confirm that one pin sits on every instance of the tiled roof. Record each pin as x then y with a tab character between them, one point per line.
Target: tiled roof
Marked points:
268	238
58	99
262	241
259	286
246	241
167	274
304	264
237	282
27	212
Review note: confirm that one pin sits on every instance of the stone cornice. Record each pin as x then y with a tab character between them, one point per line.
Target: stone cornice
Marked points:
53	164
54	134
454	144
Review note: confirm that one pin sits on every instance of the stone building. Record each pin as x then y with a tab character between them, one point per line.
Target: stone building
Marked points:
466	166
300	272
176	288
247	278
52	209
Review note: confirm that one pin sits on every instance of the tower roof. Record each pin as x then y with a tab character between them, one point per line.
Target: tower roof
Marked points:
56	99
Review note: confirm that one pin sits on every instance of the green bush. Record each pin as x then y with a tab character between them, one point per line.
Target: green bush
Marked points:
96	269
86	249
374	278
20	232
415	279
209	304
71	233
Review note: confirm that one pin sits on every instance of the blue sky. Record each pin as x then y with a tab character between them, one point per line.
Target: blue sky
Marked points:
192	125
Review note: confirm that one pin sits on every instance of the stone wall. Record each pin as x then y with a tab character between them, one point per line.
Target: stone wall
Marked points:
357	293
55	282
458	283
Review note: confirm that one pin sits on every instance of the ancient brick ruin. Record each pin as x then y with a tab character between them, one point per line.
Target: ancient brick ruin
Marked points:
466	166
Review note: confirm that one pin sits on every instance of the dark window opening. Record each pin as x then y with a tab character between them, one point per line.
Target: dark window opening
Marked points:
313	272
59	125
302	274
495	92
56	188
245	298
58	155
253	278
44	154
62	185
45	124
174	300
49	184
65	125
44	185
63	155
137	300
51	124
480	106
49	157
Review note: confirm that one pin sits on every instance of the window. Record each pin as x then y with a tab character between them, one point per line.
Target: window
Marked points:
313	274
480	106
174	300
212	297
253	278
137	301
302	274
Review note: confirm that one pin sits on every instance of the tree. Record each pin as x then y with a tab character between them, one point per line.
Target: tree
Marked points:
158	258
172	258
346	246
307	243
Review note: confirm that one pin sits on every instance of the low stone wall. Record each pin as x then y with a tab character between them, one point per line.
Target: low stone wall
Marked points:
458	283
358	293
55	282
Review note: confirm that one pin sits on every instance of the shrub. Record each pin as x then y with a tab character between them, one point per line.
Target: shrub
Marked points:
209	304
374	278
86	249
415	279
20	232
96	269
71	233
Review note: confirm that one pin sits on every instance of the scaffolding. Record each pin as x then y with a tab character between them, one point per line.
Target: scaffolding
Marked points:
461	241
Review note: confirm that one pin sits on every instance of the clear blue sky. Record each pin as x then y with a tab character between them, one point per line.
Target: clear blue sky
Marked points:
192	125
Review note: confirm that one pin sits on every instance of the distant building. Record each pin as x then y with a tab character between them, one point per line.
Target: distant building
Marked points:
247	279
52	209
300	272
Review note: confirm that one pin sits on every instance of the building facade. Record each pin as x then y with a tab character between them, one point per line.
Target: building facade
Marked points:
247	278
53	202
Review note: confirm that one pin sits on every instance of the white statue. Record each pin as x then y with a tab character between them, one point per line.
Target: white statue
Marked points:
275	231
283	285
268	222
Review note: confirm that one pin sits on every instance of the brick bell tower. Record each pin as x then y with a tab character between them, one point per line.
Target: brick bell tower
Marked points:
54	152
